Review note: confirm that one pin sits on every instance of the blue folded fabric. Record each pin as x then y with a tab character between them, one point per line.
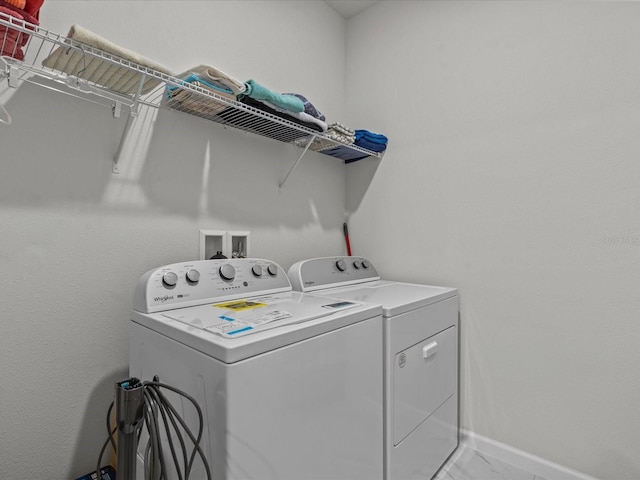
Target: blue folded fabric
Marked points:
371	137
374	147
287	102
345	153
192	77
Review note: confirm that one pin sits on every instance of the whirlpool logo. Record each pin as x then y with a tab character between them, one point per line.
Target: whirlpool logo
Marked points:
163	299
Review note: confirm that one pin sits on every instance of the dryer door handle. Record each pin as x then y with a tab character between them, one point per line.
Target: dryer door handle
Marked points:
429	349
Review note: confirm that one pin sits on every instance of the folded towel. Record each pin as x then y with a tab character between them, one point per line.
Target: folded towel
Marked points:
246	120
11	39
304	116
345	153
342	129
371	137
118	78
340	133
309	107
374	147
198	103
23	14
193	79
187	100
291	116
212	75
339	137
29	7
288	102
32	7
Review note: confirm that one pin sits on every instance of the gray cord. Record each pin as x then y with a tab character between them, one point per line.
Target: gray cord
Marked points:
195	441
157	397
151	421
174	427
109	439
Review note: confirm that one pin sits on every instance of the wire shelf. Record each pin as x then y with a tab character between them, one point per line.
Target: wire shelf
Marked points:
28	51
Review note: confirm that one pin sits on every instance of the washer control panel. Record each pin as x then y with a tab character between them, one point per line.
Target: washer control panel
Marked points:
325	272
207	281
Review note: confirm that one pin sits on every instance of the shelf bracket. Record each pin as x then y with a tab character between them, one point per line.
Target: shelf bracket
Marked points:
116	109
14	75
311	139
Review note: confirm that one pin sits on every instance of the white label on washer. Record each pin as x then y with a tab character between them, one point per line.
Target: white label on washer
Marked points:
242	317
237	323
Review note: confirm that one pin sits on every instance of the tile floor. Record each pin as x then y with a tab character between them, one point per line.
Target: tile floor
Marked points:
469	464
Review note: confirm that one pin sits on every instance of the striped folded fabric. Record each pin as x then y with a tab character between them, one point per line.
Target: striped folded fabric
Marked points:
121	75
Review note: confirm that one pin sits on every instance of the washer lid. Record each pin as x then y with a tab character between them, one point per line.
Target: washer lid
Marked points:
395	297
239	329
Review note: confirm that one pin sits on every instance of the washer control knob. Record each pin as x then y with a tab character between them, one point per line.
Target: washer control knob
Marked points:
227	272
273	270
257	270
193	276
365	264
340	265
356	264
169	279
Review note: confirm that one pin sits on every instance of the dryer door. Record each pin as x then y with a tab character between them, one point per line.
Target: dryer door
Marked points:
424	377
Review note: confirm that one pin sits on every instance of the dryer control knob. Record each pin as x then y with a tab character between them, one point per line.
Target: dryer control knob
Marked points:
169	279
273	270
340	265
257	270
193	276
365	264
356	264
227	272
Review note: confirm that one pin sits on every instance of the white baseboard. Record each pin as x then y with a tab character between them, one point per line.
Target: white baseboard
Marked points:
518	458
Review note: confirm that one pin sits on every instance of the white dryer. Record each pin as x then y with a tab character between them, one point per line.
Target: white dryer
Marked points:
420	356
289	383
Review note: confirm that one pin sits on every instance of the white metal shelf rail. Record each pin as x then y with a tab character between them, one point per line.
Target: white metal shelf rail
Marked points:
199	101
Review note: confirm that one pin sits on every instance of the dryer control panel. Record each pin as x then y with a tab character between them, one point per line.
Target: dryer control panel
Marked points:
319	273
198	282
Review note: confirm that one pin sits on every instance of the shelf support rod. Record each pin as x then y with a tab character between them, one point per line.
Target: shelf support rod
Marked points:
311	139
7	120
125	134
132	113
134	108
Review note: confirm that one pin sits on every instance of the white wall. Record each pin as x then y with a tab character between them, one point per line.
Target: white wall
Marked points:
512	173
76	238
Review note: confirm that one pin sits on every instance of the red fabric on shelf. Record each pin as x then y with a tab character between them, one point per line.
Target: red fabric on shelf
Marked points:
22	14
11	39
32	7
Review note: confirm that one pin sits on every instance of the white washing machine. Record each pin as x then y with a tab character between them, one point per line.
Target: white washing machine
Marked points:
289	383
421	359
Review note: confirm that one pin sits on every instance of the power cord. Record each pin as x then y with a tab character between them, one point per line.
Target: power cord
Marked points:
139	403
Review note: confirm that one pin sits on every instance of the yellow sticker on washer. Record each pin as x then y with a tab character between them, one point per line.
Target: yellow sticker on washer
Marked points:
238	305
